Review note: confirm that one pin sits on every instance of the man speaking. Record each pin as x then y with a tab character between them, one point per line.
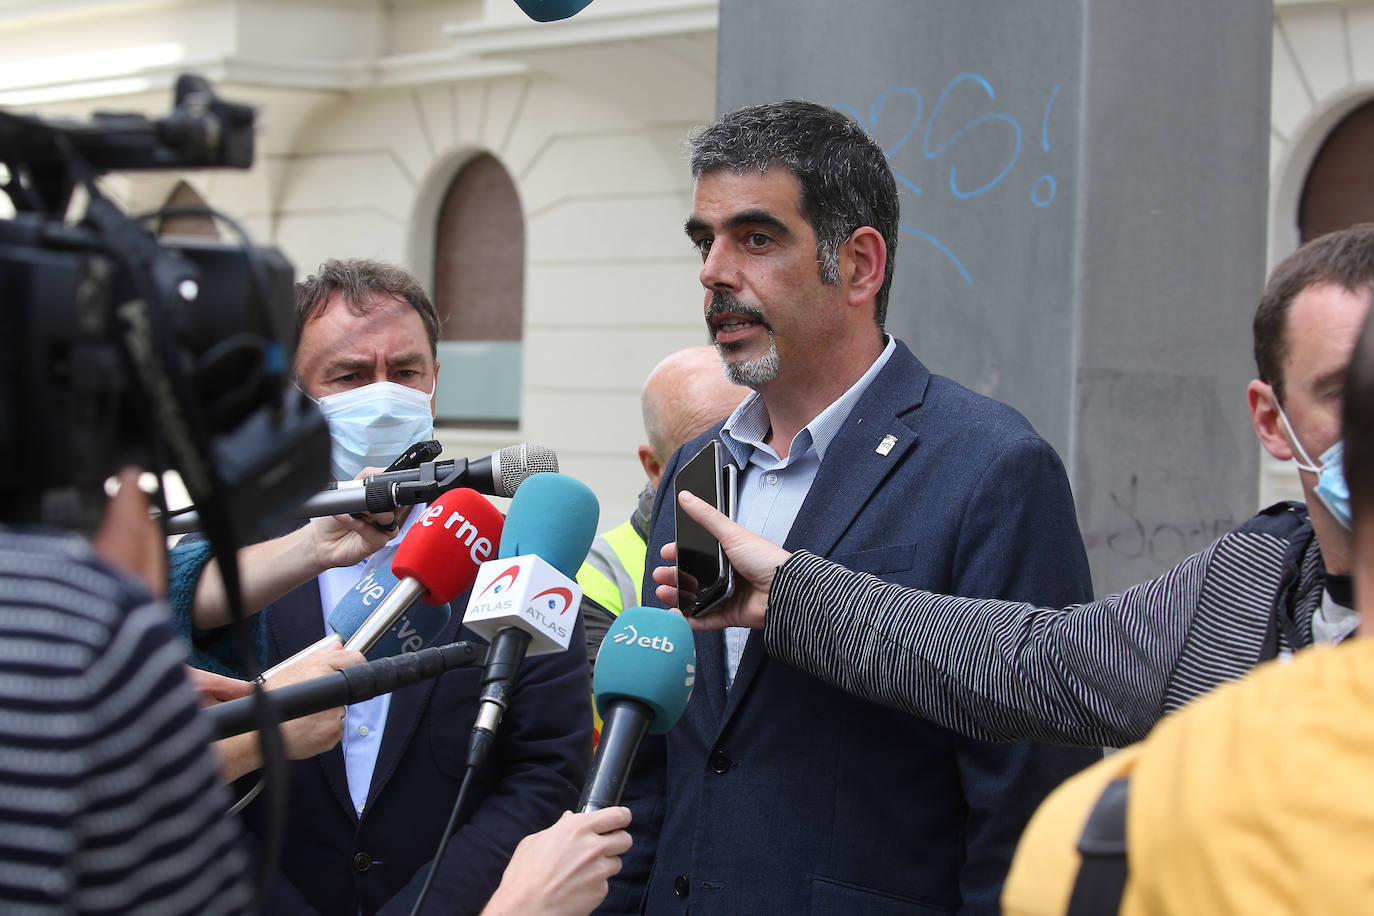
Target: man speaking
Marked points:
1105	672
780	793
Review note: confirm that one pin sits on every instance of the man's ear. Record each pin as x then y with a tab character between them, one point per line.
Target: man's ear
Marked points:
653	468
866	264
1264	416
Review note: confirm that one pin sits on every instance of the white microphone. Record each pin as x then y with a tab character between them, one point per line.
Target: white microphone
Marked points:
527	599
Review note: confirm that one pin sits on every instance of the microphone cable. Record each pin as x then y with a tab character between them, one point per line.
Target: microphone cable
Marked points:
449	829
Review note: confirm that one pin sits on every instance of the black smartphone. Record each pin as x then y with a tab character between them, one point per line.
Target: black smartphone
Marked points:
704	576
410	459
416	455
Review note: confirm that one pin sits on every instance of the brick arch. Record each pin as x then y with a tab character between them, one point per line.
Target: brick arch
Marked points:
197	225
1339	187
479	255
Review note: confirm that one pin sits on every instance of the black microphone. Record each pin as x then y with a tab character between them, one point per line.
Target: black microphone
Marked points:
497	474
343	687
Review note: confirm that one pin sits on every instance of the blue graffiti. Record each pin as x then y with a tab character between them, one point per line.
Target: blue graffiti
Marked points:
953	170
1045	122
940	247
992	134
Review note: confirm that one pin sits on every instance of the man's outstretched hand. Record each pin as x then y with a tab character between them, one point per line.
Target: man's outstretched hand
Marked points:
754	559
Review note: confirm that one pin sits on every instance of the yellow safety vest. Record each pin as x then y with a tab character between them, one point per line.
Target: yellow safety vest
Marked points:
613	575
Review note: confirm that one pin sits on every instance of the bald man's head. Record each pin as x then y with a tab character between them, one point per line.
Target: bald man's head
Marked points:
684	396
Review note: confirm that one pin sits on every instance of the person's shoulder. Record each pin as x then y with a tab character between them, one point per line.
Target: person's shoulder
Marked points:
56	569
98	625
947	394
940	398
1284	519
978	427
1281	753
1045	867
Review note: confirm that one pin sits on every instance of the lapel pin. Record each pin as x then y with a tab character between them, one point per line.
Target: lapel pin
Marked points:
885	447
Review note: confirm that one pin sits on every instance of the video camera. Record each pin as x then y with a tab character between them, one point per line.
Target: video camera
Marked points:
121	348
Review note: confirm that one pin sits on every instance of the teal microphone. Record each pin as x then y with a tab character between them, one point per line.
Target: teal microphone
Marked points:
550	10
552	516
526	600
644	675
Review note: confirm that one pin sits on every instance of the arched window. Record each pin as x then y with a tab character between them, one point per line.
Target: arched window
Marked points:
194	225
479	290
1339	190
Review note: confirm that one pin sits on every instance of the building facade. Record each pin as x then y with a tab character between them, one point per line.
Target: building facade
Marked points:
533	174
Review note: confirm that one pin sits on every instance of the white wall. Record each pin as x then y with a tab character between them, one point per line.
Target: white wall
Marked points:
368	108
1323	68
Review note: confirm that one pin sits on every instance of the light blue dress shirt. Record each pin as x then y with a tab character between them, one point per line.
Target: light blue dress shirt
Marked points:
771	489
365	721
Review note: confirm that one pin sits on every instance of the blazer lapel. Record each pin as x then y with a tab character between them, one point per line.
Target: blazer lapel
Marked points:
294	622
404	713
711	657
870	444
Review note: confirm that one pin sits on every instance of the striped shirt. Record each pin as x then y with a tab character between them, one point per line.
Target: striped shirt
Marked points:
1094	674
110	799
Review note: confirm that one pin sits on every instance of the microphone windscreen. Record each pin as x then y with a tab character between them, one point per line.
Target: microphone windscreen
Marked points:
553	517
417	629
648	655
551	10
515	464
452	538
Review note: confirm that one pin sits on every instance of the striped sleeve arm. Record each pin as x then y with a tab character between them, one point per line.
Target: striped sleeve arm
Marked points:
111	801
1091	674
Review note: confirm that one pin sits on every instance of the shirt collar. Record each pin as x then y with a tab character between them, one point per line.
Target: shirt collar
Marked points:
745	429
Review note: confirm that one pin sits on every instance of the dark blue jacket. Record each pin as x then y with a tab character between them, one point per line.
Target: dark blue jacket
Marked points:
340	864
791	797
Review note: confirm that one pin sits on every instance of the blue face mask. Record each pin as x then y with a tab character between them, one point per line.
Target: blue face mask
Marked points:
371	425
1331	488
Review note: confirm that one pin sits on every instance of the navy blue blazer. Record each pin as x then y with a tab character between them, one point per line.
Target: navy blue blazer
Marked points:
334	862
789	796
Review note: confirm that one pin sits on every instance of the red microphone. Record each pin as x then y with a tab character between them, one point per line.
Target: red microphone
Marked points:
437	560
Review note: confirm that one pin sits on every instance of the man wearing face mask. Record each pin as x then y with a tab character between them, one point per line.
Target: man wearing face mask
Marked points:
365	818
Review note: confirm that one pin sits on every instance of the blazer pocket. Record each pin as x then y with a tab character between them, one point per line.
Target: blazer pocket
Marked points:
878	560
836	898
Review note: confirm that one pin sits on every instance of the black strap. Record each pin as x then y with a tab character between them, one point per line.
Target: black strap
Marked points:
1101	878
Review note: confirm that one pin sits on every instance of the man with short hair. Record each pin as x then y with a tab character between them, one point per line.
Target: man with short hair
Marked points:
781	794
1105	672
1256	798
683	396
365	818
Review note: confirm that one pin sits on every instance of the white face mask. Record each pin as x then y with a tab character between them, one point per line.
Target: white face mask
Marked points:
373	424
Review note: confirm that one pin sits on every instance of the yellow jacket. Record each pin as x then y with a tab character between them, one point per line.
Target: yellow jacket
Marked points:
1257	799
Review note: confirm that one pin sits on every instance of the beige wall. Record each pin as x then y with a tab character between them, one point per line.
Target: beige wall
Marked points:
1323	68
368	109
364	124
